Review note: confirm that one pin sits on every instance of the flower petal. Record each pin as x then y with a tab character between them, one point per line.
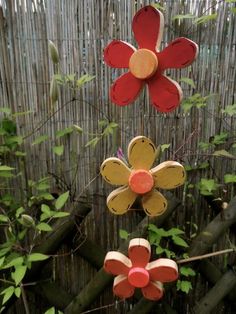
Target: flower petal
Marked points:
118	53
166	94
154	203
139	252
141	153
125	89
163	269
115	171
178	54
168	175
153	291
148	26
122	288
117	263
120	200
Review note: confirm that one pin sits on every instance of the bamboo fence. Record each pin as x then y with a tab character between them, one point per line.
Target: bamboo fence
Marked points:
81	30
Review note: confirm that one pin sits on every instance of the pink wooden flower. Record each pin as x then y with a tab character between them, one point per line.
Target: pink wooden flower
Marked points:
147	64
137	272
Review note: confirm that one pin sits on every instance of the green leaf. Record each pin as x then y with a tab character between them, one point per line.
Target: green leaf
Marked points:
158	6
6	168
230	110
188	81
35	257
51	311
58	150
230	178
60	214
40	139
164	147
84	79
19	211
2	261
19	274
15	140
179	241
21	113
160	231
220	138
204	145
159	250
184	286
60	202
17	292
233	10
205	18
3	218
223	153
5	110
64	132
123	234
175	231
20	154
8	292
77	128
183	16
93	142
187	271
45	209
44	227
18	261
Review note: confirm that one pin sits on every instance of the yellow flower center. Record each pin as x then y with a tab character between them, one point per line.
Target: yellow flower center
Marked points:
143	63
141	181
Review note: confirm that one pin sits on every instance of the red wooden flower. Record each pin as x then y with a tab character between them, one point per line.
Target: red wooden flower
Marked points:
146	64
137	272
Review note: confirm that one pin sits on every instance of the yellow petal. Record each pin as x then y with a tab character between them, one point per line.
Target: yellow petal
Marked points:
115	171
154	203
120	200
168	175
141	153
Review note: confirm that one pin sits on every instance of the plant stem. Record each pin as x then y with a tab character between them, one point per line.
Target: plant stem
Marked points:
195	258
26	305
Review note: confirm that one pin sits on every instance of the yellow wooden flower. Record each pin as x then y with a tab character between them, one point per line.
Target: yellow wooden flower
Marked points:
140	179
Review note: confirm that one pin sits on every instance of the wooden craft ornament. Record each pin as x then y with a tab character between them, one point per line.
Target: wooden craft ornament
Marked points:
137	272
146	65
140	179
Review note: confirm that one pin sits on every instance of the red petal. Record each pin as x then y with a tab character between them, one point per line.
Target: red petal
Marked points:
163	269
178	54
125	89
117	263
118	53
165	93
148	27
122	288
153	291
139	252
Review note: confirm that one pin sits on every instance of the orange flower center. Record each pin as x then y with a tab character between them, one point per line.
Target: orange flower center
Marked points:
141	181
138	277
143	63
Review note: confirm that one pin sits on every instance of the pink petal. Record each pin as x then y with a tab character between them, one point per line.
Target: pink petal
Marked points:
163	269
139	252
148	27
153	291
117	263
122	288
125	89
178	54
118	53
166	94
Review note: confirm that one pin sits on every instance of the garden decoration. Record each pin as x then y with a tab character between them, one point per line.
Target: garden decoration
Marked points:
139	179
146	64
137	272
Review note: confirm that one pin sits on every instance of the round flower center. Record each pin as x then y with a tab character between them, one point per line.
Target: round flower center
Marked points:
138	277
143	63
141	181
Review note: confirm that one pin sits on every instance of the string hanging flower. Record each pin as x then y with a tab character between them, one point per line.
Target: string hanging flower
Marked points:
137	272
147	64
140	179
